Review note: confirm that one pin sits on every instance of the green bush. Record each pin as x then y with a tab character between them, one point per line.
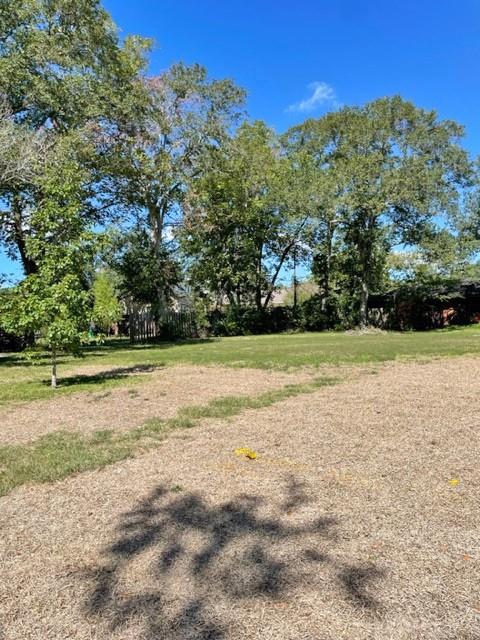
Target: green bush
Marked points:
241	321
316	317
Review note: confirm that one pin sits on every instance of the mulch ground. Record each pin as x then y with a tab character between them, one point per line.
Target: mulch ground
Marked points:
157	393
359	520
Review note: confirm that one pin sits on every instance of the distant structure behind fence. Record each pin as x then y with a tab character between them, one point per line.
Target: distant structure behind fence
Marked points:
171	325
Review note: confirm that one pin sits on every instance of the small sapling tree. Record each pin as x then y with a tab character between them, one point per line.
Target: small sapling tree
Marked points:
54	303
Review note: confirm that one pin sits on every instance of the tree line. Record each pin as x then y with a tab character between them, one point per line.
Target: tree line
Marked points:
154	185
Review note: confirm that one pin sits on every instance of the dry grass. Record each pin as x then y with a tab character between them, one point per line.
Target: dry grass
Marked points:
345	527
161	395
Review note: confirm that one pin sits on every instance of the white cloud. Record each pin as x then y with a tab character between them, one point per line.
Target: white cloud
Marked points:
321	93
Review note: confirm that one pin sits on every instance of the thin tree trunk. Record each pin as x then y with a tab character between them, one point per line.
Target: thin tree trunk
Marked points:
156	217
258	287
326	275
273	280
295	293
365	245
54	368
283	257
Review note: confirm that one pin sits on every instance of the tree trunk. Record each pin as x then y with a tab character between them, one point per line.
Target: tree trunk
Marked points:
363	311
283	257
54	369
295	293
258	298
326	274
258	285
156	219
18	236
365	243
273	280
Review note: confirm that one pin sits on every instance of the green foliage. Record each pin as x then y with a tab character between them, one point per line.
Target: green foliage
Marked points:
61	62
54	302
146	273
442	255
318	313
241	321
63	70
393	168
232	207
242	223
107	309
188	114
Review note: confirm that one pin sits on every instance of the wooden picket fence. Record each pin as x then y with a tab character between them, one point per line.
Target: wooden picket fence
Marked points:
172	325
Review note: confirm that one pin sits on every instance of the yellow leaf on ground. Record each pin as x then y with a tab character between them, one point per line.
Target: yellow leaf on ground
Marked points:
245	451
453	482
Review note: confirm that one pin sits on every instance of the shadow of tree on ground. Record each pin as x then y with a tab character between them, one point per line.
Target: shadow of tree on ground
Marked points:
182	568
118	373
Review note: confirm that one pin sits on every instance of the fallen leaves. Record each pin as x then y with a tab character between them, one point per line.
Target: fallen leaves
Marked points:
246	452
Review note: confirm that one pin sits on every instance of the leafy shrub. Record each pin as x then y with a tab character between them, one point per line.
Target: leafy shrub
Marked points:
318	317
241	321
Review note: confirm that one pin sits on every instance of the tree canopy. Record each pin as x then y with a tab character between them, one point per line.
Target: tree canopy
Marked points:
244	218
394	168
190	194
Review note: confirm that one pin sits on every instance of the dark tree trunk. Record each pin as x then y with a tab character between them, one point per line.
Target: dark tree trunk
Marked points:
258	286
327	269
19	238
156	219
295	292
365	244
273	282
29	265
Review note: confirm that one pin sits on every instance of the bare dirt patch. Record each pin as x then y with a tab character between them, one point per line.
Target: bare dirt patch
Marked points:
164	391
359	520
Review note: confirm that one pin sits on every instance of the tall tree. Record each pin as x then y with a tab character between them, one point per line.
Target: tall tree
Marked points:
62	69
310	144
189	114
243	224
396	167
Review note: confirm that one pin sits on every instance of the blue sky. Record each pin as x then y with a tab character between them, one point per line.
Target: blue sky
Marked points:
426	50
300	59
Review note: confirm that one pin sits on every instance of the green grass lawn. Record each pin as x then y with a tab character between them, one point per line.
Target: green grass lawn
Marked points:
21	380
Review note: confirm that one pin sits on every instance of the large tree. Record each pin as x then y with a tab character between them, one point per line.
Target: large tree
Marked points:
188	115
308	144
395	168
62	70
244	220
